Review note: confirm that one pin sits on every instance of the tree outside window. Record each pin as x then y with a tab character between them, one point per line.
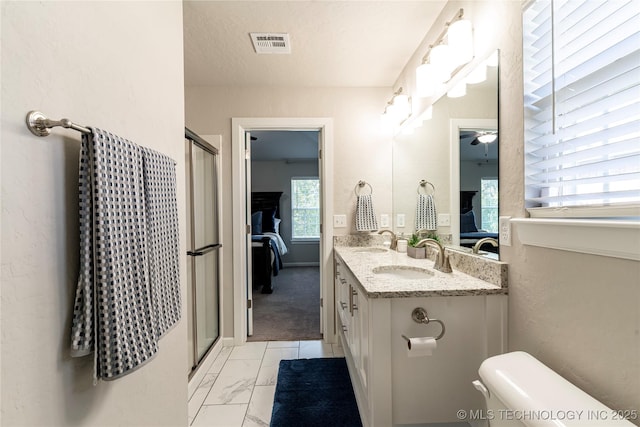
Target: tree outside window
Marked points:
489	201
305	208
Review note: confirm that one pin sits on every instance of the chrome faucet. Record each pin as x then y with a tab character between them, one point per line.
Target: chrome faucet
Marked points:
394	239
442	261
481	242
422	231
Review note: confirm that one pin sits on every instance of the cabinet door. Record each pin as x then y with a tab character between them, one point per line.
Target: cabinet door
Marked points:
342	299
363	333
354	337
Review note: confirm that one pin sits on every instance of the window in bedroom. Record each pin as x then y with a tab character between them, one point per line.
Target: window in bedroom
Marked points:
305	208
489	203
581	61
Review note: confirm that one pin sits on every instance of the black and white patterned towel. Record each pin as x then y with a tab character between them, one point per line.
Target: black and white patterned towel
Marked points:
426	215
163	238
365	215
117	313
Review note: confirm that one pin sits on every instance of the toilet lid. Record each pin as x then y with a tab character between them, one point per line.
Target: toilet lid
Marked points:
541	397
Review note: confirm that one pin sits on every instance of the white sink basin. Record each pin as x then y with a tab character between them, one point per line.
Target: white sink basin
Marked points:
371	250
402	272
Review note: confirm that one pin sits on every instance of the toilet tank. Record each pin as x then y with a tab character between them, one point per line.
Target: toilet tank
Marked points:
524	392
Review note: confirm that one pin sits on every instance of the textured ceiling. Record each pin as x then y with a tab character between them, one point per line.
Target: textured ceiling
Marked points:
334	43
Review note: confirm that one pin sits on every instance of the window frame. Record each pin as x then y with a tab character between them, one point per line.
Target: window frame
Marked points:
303	240
605	230
620	211
496	207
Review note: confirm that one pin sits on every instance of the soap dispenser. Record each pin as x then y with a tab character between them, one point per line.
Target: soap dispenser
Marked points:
402	244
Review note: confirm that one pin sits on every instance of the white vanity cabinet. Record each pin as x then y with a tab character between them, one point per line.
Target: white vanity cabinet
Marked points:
355	323
392	388
353	313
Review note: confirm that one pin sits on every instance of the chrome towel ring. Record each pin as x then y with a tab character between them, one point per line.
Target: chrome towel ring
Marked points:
361	184
423	186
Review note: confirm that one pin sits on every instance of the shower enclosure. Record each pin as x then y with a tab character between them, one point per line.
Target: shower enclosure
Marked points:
203	294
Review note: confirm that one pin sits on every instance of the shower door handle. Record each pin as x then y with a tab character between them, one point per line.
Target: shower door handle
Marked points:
203	250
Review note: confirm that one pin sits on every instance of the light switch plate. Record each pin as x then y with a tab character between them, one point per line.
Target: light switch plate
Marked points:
384	220
339	221
400	220
444	219
504	228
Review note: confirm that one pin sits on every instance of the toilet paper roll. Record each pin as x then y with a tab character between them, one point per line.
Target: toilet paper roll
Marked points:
421	346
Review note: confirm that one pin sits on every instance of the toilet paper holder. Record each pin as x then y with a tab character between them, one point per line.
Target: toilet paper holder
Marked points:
419	315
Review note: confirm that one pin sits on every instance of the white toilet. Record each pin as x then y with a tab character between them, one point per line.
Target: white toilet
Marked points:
521	391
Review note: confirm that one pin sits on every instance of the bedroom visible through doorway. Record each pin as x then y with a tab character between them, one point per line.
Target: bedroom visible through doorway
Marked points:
286	216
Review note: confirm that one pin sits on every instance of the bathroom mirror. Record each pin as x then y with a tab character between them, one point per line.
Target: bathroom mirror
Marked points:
456	153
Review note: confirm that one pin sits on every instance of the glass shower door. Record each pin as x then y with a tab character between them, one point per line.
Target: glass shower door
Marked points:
203	250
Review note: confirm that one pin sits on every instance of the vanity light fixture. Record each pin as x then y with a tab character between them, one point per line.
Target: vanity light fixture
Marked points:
458	90
416	122
398	109
425	80
443	60
402	104
408	130
440	58
460	39
427	114
477	75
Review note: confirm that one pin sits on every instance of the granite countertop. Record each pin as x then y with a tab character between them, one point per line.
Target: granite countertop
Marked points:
362	263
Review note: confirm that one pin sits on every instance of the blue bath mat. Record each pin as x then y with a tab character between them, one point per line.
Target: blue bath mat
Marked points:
314	392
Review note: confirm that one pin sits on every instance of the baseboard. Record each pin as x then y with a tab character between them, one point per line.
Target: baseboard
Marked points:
301	264
228	342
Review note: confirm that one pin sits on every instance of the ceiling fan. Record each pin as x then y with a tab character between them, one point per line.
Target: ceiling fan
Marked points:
475	137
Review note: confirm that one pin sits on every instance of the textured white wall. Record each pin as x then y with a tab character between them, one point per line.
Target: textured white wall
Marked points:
579	314
117	66
360	150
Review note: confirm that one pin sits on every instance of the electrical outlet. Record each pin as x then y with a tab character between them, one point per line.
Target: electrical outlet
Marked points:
444	219
400	220
504	228
339	221
384	220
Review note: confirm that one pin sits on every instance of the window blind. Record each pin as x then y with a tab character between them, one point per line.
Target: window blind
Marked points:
581	61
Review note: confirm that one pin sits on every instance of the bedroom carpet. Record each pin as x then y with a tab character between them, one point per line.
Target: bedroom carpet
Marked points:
292	311
314	392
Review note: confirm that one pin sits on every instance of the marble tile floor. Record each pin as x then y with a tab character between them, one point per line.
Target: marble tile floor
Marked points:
238	388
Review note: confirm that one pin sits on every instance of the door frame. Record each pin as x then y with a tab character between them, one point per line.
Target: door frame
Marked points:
455	126
238	128
212	143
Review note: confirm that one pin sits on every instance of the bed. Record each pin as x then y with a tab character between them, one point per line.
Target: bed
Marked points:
267	246
470	234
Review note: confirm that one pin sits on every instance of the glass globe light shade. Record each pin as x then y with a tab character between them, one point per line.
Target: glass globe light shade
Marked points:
460	40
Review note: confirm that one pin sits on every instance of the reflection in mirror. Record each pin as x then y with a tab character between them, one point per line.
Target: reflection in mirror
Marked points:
477	185
447	151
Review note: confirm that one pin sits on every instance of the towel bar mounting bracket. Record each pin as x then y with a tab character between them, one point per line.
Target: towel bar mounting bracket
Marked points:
40	125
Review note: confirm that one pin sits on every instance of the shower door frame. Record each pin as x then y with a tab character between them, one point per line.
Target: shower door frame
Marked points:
196	361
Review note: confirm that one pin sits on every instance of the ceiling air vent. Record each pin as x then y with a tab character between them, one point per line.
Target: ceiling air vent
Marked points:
271	42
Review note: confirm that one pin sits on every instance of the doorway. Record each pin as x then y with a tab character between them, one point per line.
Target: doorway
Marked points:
285	296
241	203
